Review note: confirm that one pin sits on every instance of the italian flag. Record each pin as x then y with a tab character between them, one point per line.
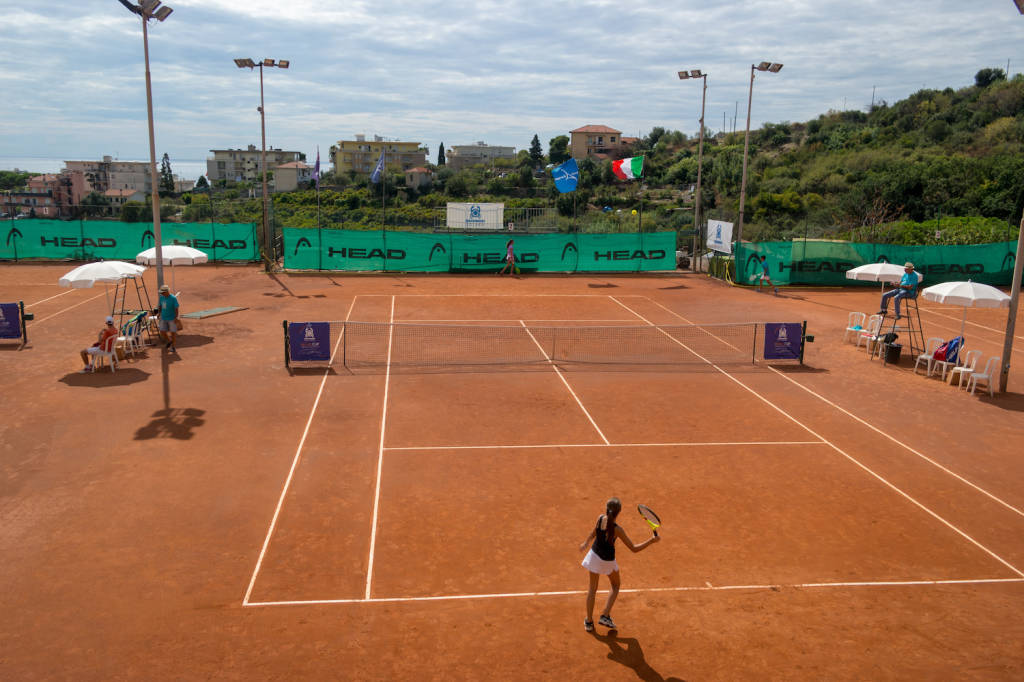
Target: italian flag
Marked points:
628	169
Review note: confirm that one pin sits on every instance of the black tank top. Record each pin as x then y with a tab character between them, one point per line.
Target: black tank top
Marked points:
603	547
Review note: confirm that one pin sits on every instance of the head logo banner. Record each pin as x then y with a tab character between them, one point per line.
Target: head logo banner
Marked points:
782	340
566	176
720	236
309	341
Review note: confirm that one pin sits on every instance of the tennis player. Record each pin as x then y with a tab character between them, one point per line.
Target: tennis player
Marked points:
600	560
510	258
766	277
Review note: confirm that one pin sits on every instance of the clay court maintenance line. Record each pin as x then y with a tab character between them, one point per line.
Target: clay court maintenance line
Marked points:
974	324
48	317
380	454
295	462
840	451
883	433
559	373
606	445
645	590
63	293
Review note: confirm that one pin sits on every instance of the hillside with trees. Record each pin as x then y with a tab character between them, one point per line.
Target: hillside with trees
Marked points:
947	160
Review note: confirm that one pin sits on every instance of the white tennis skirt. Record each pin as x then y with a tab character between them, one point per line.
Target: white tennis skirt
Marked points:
596	564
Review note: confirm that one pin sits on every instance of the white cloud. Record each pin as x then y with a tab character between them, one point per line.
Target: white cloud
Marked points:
464	71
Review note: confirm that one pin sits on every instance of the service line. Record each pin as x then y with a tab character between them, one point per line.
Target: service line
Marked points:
605	445
380	454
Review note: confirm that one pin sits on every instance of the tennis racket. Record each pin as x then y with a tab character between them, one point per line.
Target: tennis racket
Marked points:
650	517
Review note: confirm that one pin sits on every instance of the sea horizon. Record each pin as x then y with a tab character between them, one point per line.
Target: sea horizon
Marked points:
185	169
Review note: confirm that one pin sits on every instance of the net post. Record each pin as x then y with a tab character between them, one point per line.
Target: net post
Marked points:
803	340
344	343
24	327
287	351
753	350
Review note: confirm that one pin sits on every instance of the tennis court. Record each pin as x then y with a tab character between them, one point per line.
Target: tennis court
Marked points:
403	518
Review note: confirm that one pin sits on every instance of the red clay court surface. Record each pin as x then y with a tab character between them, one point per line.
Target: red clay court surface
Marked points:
210	515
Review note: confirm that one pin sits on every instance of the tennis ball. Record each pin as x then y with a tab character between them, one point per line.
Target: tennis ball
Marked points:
634	211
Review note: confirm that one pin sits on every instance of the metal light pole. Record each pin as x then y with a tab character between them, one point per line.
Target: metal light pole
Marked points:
250	64
1018	265
683	75
763	66
151	9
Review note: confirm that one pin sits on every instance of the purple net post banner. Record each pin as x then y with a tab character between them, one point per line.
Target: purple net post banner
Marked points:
782	340
310	341
10	321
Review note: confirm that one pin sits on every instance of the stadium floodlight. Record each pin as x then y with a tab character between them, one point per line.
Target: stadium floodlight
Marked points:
151	9
683	75
771	67
252	64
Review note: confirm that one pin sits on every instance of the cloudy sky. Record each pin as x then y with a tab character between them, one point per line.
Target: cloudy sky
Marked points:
71	72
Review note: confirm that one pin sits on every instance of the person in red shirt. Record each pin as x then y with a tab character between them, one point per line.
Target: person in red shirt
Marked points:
103	343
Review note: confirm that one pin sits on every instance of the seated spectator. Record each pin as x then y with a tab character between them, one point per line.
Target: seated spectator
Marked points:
907	289
108	331
167	320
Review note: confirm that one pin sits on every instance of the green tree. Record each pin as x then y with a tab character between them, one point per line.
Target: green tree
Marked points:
201	184
536	152
166	177
987	77
95	204
440	155
558	149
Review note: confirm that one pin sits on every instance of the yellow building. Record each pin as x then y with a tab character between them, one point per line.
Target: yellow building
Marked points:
360	155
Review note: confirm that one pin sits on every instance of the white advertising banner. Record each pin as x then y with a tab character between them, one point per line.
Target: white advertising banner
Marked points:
720	236
476	216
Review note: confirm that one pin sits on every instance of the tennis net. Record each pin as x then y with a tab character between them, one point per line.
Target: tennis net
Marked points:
379	344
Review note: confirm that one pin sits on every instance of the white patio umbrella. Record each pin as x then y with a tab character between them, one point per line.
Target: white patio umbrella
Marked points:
967	294
173	254
878	272
106	271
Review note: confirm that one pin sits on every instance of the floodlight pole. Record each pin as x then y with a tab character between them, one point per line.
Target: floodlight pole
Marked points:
263	164
154	193
698	216
1011	318
746	148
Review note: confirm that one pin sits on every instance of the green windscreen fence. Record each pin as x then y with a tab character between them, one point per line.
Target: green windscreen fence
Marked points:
821	262
91	239
309	249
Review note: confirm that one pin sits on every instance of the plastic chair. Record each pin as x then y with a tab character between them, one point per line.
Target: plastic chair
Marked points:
109	351
969	367
870	332
928	356
946	365
987	375
855	324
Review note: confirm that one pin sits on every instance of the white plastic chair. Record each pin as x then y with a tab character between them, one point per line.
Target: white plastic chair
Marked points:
127	339
969	366
870	332
108	351
855	324
928	356
987	375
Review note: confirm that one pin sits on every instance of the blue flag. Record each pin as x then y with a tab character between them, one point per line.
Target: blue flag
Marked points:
375	177
566	176
316	168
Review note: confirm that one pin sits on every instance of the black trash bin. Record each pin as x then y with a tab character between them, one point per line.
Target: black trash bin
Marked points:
892	353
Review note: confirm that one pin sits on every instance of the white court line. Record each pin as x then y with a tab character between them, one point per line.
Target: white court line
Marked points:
606	445
850	457
63	293
516	321
559	373
295	462
966	346
647	590
493	295
48	317
973	324
380	455
883	433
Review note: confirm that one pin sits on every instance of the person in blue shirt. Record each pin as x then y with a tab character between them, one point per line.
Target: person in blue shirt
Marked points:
167	319
907	289
766	278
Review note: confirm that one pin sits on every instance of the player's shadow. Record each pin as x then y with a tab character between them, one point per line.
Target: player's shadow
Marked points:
628	652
